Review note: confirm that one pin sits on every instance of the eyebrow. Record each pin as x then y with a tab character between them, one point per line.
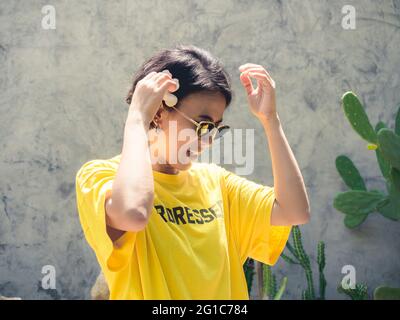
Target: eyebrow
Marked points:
204	116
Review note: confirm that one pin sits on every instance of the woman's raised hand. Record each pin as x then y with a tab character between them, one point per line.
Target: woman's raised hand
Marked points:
149	93
261	99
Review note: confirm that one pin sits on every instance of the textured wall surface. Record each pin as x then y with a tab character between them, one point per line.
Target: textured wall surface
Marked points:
62	103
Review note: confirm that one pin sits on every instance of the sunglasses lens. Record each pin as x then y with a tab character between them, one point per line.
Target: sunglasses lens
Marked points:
222	131
205	129
209	130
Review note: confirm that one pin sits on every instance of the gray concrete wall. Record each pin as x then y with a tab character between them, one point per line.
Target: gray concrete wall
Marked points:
62	103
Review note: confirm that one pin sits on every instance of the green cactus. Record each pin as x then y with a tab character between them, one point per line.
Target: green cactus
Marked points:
386	144
395	178
304	261
391	209
357	117
360	292
359	202
386	293
353	221
270	284
281	290
349	173
356	202
389	144
384	164
300	257
321	267
249	273
288	259
269	281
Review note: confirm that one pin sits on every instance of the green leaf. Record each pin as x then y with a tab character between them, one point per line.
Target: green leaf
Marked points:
357	202
357	117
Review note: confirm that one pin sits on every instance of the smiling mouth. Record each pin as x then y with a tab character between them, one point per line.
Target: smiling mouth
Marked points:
191	153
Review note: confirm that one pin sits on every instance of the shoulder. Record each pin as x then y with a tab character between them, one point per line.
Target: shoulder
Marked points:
97	167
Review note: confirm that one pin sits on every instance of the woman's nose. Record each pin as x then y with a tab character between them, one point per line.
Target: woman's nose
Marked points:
205	142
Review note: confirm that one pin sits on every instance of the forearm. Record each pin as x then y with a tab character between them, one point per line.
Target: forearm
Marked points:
290	191
133	187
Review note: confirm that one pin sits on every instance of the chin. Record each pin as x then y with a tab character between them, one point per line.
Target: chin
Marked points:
184	166
187	164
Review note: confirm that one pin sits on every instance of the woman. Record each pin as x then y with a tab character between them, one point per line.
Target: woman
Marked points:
164	227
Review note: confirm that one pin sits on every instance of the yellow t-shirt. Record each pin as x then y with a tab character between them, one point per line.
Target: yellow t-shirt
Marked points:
206	221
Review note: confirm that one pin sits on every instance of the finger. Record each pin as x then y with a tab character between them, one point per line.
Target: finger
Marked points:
149	75
154	76
263	78
167	85
246	82
268	75
160	77
177	83
245	66
258	69
161	80
171	88
174	79
167	71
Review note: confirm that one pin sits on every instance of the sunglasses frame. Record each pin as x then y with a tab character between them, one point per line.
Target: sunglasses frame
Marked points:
199	124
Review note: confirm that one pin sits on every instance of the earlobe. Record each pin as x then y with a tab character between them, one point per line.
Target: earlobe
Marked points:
158	118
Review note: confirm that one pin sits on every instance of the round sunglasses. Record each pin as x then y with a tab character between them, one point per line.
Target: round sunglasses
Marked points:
205	128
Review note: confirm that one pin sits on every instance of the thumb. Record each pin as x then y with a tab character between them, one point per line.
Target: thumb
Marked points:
246	82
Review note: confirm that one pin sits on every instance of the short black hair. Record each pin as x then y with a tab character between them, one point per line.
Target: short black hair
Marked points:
195	68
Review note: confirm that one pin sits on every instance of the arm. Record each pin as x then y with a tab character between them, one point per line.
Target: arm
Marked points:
129	206
291	206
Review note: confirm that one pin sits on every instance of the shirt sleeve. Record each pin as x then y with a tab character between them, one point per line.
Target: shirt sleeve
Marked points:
250	208
93	184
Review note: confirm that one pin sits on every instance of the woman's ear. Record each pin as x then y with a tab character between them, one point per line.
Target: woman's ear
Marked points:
160	115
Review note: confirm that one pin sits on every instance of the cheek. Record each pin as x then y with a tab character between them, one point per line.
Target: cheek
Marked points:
186	140
185	135
179	136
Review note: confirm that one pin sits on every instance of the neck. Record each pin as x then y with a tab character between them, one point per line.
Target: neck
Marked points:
160	164
165	168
